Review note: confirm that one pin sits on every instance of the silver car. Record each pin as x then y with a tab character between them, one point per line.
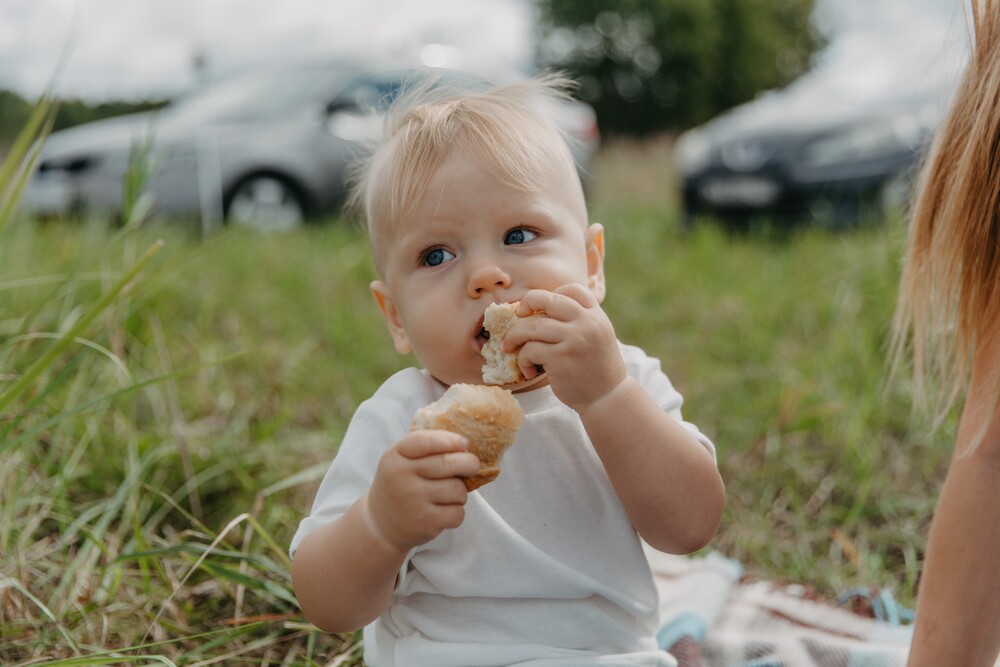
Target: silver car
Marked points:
268	149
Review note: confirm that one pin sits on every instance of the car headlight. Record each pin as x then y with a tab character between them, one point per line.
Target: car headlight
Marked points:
692	152
74	165
885	137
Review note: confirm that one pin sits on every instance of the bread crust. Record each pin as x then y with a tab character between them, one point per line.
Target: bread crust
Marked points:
501	368
487	416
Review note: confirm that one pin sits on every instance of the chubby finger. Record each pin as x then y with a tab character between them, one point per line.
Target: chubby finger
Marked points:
447	464
579	293
529	360
556	305
539	329
429	442
450	516
449	492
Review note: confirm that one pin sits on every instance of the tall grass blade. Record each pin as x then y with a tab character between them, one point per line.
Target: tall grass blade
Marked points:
100	349
67	412
8	396
15	171
201	551
109	659
42	115
251	582
137	202
194	568
77	573
16	585
12	185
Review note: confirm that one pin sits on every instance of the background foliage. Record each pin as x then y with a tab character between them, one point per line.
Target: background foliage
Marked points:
15	110
671	64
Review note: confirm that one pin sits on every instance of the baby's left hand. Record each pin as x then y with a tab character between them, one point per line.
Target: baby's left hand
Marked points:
575	343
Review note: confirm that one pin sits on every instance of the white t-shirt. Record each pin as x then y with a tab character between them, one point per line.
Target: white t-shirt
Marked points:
546	569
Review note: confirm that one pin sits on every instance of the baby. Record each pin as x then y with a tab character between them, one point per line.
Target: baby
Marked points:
474	199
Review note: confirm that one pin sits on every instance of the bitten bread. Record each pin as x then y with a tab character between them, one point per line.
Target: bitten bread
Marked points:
500	368
488	416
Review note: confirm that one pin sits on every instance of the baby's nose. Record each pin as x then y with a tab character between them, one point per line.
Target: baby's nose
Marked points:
487	278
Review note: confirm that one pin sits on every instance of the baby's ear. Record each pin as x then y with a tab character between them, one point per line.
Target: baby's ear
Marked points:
595	261
386	306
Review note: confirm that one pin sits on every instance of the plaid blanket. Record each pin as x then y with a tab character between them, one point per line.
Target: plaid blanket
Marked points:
712	618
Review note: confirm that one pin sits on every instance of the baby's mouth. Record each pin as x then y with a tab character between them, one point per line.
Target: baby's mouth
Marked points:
482	335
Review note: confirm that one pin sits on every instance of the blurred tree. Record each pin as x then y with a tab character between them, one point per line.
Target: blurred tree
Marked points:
76	112
650	65
14	112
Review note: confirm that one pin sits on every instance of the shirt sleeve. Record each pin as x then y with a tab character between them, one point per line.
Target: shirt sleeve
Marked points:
377	424
648	371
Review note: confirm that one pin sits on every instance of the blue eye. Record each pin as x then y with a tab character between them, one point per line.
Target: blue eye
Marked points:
518	236
436	257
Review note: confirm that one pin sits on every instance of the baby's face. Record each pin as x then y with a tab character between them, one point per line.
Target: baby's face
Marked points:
473	240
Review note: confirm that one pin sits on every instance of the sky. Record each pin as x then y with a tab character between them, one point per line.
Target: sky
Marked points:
135	49
146	48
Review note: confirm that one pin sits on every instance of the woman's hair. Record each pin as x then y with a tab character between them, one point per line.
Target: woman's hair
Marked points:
949	299
510	128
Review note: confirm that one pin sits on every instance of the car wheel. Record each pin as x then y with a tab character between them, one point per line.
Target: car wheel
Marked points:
265	203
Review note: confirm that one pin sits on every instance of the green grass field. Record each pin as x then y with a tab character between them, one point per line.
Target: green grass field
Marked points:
157	449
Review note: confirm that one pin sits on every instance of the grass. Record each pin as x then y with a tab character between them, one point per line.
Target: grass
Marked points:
153	470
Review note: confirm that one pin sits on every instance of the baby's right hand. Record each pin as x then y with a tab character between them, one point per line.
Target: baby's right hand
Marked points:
418	491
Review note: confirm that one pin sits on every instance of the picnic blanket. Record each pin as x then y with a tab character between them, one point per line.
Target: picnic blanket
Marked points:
713	617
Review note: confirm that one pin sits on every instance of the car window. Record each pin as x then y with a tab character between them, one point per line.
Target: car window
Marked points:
255	97
378	91
356	114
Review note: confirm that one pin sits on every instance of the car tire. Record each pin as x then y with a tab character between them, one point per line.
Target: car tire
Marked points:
266	203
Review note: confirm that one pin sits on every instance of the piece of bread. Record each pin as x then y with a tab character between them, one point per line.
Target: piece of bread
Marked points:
500	368
488	416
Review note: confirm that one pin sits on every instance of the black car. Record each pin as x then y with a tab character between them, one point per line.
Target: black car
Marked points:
840	141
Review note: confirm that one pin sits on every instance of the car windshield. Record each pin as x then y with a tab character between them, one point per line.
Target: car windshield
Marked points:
257	96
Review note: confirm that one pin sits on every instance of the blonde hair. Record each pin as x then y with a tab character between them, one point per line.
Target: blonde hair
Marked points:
949	300
510	128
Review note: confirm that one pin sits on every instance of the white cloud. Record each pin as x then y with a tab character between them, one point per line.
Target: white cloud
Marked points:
146	48
882	16
904	44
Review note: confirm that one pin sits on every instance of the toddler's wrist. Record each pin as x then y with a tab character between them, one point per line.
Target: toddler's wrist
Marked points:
376	532
596	405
